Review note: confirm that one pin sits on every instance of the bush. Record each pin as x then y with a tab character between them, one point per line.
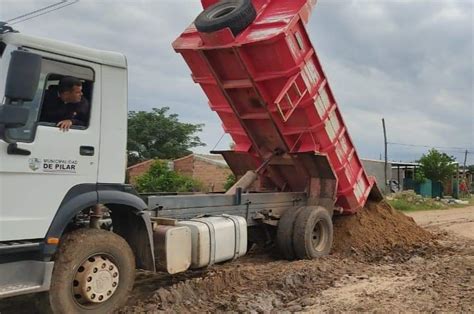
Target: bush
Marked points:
409	201
160	179
230	181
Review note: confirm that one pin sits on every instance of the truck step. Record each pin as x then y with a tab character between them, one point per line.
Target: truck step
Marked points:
23	277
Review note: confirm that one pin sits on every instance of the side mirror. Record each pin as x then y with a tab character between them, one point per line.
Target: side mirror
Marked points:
23	76
13	116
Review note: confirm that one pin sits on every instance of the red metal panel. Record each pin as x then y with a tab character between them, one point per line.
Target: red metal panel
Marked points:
270	91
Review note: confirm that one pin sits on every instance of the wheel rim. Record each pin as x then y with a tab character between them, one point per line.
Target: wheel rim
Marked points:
319	236
96	280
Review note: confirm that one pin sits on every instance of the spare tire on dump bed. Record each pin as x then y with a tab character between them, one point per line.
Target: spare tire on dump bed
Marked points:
234	14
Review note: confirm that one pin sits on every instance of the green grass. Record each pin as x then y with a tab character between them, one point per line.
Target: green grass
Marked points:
404	205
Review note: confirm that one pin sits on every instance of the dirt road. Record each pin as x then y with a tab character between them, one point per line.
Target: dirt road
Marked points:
432	277
428	277
457	220
431	280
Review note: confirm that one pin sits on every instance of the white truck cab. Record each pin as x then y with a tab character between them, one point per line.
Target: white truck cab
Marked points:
46	163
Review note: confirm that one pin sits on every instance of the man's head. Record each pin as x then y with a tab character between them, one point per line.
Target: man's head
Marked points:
70	89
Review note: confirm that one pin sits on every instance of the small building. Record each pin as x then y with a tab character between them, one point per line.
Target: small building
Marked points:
452	186
376	168
210	170
403	175
400	175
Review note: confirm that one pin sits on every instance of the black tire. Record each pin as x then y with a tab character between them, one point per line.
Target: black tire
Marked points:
284	237
85	245
234	14
313	233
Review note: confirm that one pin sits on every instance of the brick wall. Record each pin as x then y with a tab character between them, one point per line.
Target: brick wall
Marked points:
184	165
212	176
138	169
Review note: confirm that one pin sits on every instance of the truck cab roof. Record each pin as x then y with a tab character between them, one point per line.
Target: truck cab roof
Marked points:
110	58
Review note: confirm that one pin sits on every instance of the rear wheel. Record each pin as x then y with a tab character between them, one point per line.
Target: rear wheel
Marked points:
284	237
93	273
234	14
313	233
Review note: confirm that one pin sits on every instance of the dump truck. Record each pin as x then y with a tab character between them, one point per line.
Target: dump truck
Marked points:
71	227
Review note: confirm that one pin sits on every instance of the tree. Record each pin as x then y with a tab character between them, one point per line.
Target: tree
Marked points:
159	178
437	166
157	134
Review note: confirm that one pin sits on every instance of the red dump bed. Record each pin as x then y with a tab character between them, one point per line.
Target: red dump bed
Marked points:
270	91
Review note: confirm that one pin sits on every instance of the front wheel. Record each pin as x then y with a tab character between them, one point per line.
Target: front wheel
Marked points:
94	272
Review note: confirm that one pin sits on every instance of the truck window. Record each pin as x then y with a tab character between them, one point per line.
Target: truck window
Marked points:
52	107
51	73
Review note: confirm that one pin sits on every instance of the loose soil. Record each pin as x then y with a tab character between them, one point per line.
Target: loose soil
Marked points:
378	231
381	260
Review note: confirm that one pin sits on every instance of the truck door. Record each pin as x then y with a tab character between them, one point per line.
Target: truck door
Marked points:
47	162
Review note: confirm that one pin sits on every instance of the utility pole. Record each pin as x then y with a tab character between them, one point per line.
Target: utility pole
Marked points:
386	160
464	166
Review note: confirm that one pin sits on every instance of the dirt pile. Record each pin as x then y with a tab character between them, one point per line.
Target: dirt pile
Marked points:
376	231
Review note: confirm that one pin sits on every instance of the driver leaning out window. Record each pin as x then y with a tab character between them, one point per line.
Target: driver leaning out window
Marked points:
65	106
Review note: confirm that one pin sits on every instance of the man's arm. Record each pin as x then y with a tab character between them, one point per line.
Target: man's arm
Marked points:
81	114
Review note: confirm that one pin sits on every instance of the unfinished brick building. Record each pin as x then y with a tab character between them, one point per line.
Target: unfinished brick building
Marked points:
211	170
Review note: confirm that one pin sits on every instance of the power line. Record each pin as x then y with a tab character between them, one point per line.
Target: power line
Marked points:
35	11
413	150
42	11
49	11
461	149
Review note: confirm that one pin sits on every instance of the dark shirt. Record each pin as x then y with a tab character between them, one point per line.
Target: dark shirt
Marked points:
55	110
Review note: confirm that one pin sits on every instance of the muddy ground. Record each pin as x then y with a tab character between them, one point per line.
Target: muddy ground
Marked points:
397	266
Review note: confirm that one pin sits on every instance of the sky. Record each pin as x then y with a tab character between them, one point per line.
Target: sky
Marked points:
410	62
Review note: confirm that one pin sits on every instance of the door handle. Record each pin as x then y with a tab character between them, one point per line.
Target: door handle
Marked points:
86	150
